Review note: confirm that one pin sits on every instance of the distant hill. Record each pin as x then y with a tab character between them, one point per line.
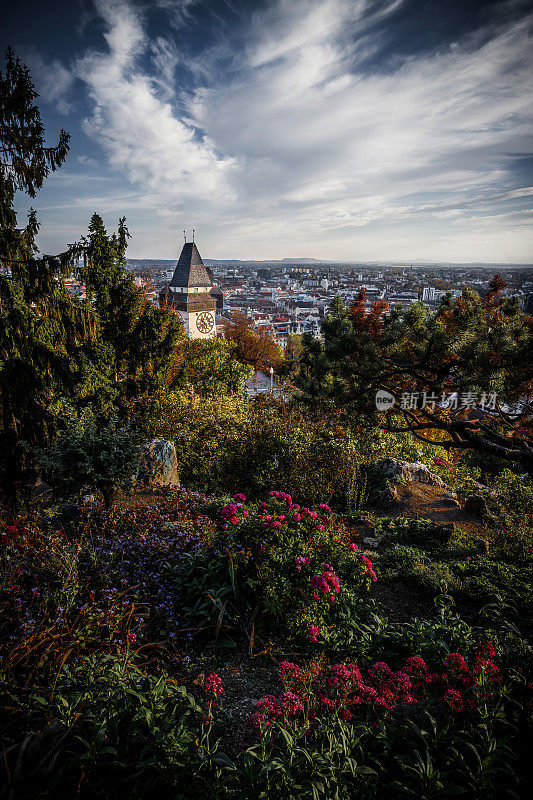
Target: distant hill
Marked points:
302	261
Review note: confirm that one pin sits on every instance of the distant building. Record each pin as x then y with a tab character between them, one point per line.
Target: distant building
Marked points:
431	295
192	295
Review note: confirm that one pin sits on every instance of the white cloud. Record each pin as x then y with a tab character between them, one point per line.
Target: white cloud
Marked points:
138	130
53	81
300	139
87	161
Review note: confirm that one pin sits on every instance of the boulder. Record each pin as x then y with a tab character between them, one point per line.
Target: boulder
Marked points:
476	504
451	501
159	464
389	496
410	472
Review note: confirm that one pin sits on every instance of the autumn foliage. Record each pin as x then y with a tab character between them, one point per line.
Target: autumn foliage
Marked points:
258	349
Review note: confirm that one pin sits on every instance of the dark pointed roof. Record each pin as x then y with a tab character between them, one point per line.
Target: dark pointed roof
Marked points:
190	269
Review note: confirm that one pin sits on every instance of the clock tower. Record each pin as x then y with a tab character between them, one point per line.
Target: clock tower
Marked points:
190	293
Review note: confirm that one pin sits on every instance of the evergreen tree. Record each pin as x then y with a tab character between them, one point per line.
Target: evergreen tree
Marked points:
478	349
136	337
40	326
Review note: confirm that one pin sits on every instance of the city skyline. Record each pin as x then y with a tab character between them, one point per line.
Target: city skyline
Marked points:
338	130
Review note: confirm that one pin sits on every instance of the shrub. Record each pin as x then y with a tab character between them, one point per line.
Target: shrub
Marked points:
291	563
89	453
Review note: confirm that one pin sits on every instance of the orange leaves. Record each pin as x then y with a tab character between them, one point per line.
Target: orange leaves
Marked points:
369	322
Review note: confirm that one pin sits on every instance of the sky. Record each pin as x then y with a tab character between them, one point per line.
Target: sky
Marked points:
349	130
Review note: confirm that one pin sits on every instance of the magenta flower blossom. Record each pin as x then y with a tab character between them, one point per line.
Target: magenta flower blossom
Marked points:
213	684
314	633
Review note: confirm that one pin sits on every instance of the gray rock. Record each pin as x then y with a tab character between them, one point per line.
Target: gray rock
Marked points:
41	488
389	496
369	541
441	532
410	472
159	464
476	504
449	501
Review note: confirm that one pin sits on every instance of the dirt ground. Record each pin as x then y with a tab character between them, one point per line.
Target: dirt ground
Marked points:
425	501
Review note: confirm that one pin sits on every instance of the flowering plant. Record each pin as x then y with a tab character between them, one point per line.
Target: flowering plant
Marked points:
300	564
316	692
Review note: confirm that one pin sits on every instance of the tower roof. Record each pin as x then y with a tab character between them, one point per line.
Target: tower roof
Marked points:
190	269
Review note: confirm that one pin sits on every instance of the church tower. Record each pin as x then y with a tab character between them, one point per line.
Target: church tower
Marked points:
190	293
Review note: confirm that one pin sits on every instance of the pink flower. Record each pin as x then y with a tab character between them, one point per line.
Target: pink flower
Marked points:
454	700
275	524
225	527
291	703
296	517
353	546
415	665
320	528
455	663
213	684
239	498
485	650
234	520
314	633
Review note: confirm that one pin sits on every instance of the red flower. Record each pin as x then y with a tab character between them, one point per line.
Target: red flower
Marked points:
213	684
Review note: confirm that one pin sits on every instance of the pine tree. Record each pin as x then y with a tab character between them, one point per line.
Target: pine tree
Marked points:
139	338
40	326
477	347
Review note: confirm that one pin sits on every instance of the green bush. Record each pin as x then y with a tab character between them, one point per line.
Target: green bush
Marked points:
91	454
107	727
283	566
228	443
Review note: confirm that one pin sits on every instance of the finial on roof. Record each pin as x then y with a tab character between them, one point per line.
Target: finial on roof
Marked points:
184	235
193	234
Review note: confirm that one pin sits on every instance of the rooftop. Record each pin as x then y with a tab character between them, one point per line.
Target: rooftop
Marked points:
190	269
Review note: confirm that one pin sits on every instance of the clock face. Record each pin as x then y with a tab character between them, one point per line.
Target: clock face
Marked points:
205	322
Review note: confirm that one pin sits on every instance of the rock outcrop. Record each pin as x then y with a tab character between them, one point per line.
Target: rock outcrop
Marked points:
159	464
476	504
410	472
